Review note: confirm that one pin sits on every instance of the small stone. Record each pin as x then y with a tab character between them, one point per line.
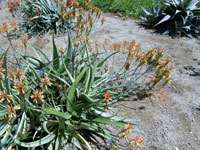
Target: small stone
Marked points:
176	148
171	120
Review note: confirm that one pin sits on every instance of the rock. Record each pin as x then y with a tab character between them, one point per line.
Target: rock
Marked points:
2	3
176	148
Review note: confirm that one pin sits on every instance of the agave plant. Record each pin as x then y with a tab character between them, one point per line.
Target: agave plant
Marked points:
174	17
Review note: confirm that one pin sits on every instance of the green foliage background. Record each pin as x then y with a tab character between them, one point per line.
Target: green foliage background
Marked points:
126	7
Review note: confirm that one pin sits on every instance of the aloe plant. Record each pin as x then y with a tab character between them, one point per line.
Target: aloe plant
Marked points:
40	16
62	103
174	17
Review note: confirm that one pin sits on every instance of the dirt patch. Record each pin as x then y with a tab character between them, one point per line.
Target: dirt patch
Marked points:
170	119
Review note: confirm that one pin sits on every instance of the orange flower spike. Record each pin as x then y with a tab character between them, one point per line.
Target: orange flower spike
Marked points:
90	49
127	66
125	43
37	97
91	22
111	47
119	46
103	20
113	147
130	48
141	141
144	59
19	75
16	46
45	82
96	45
138	48
127	130
9	148
24	39
86	2
132	55
75	3
5	27
88	40
11	73
107	97
59	21
128	127
20	87
5	97
32	20
136	141
106	41
132	43
168	60
139	56
14	25
62	50
1	72
11	111
37	11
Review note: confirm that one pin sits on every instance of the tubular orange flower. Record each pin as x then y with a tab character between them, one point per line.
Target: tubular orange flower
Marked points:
14	25
103	20
11	111
37	97
11	73
5	97
45	82
127	130
113	147
59	21
70	2
132	55
16	46
125	43
24	39
20	87
138	48
37	11
4	27
19	75
1	72
136	141
9	148
62	50
107	97
127	66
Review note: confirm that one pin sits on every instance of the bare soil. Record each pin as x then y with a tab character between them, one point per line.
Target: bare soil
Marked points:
170	119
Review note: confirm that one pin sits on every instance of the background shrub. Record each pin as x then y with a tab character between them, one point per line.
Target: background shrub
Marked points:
174	17
126	7
41	16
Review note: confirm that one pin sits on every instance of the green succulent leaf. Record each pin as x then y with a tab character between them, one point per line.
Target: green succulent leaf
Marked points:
6	72
72	89
37	143
63	115
55	55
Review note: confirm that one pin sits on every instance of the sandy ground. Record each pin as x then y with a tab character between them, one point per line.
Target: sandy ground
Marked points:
170	119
